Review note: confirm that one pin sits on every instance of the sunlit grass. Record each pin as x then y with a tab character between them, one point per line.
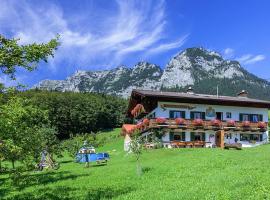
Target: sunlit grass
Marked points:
168	174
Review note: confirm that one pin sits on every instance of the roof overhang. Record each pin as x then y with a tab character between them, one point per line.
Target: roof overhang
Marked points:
145	96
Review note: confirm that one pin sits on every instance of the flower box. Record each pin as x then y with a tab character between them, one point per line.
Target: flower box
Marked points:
216	123
246	124
161	120
231	123
262	125
198	122
180	121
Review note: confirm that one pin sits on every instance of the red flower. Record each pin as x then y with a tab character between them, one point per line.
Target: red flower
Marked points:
246	123
146	121
231	123
198	122
216	122
133	112
180	121
262	125
160	120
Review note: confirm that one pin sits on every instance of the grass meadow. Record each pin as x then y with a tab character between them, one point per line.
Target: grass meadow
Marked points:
167	174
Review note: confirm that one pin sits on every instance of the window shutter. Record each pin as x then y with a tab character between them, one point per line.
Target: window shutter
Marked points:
240	117
261	137
191	115
203	115
183	114
183	136
171	136
260	118
171	114
192	136
203	136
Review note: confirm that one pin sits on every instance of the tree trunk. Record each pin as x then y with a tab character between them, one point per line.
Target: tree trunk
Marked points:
13	164
139	168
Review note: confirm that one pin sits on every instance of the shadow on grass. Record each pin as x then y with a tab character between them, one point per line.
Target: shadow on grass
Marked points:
146	169
98	165
55	193
67	193
106	193
3	187
44	178
66	161
4	191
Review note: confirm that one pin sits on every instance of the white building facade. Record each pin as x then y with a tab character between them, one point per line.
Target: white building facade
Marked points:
240	119
225	113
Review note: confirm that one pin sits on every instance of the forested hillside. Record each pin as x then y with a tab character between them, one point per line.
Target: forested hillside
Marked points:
76	113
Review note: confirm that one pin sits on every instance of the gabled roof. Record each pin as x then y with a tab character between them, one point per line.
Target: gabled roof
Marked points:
139	95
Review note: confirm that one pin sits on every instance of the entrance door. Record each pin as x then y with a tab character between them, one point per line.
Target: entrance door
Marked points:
219	115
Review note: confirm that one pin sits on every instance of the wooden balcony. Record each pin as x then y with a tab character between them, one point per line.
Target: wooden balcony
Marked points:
205	125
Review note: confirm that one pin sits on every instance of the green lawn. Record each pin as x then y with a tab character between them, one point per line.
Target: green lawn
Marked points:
168	174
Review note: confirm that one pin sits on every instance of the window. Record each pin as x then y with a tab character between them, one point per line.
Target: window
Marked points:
255	137
197	136
244	137
245	117
177	114
228	115
229	136
254	118
177	136
250	117
251	137
197	115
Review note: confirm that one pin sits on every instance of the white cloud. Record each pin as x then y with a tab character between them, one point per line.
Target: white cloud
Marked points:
168	46
246	59
250	59
136	26
228	53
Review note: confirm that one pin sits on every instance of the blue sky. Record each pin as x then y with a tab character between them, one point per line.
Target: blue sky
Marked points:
103	34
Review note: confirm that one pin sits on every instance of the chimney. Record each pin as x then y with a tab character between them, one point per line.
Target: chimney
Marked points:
190	90
243	93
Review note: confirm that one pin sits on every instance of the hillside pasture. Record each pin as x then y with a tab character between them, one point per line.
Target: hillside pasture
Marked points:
167	174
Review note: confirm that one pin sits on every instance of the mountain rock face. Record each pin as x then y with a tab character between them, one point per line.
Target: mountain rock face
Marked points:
196	67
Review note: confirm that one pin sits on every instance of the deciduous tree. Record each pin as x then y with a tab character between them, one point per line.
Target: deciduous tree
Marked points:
14	55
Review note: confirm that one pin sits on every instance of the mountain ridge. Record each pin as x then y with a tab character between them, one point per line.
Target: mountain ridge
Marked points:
196	67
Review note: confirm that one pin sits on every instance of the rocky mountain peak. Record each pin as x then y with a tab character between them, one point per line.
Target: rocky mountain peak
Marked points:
197	67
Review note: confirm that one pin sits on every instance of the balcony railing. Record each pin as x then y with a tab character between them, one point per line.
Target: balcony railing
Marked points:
205	125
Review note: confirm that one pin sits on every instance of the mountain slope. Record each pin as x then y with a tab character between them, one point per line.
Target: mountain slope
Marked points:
202	69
